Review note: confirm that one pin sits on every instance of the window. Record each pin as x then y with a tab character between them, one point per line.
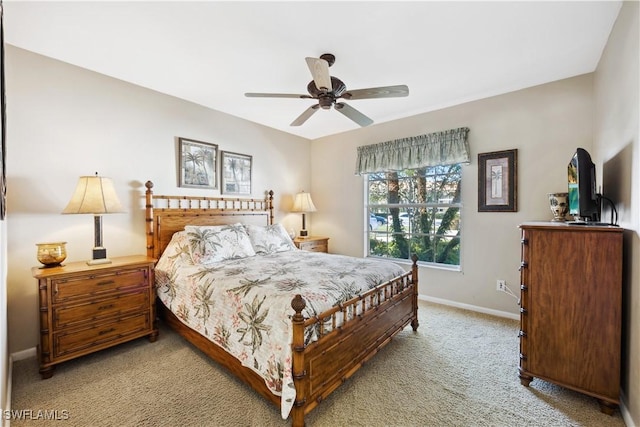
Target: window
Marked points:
416	211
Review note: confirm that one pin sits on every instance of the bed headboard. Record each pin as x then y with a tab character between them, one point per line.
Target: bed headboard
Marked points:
167	214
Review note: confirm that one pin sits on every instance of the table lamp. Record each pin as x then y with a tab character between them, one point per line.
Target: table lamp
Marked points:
303	203
95	195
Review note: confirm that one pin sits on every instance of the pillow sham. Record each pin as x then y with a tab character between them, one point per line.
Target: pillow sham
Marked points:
215	243
177	251
269	239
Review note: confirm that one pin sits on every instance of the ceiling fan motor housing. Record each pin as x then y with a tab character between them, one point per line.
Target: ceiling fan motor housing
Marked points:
326	99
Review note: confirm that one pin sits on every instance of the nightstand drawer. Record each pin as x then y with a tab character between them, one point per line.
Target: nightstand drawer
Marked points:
83	286
312	243
318	246
67	343
70	315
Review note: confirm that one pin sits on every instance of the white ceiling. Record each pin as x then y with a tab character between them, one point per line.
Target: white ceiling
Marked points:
212	52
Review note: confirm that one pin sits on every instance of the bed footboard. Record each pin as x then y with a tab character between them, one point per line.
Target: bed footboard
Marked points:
348	336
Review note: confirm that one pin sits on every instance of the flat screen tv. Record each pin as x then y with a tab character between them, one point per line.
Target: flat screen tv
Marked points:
584	201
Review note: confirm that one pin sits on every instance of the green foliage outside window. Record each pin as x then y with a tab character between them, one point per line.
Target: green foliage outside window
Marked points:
416	211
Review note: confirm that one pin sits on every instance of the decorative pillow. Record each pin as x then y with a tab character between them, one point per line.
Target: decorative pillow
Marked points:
215	243
176	252
269	239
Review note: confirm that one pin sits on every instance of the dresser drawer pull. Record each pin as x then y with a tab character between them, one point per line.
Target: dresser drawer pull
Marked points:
522	334
523	264
105	307
524	241
523	310
106	282
523	357
106	331
524	288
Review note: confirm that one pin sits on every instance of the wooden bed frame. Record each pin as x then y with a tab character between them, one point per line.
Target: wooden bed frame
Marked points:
373	318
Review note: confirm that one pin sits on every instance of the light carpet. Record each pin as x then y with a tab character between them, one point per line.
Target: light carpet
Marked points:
458	369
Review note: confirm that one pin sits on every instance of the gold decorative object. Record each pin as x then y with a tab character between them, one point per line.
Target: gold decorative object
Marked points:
52	254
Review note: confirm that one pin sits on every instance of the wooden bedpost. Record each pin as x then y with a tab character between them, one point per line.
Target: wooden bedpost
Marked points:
414	279
149	217
270	206
298	372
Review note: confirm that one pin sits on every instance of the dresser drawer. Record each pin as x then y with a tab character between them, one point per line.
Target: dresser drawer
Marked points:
71	342
83	286
71	315
314	246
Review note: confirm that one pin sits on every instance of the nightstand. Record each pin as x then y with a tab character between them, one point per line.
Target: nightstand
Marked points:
86	308
312	243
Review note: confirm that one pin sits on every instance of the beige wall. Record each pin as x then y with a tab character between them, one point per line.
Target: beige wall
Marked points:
617	153
64	122
4	347
545	123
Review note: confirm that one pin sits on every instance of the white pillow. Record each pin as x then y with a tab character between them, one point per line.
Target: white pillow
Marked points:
269	239
215	243
176	252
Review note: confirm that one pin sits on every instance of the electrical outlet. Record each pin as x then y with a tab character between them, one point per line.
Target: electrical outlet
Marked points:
501	285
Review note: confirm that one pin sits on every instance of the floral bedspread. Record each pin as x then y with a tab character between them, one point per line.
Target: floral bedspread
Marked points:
244	305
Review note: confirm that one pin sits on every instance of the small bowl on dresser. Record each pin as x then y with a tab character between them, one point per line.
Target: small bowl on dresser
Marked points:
52	254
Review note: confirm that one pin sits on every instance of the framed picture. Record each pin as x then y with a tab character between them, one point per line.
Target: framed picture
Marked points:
198	161
497	181
236	173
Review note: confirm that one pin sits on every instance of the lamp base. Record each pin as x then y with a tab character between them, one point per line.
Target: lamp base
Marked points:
99	261
99	256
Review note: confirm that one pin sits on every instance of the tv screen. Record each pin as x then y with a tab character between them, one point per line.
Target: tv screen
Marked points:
583	199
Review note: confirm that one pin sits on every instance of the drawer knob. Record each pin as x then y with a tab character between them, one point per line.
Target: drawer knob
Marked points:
106	331
522	334
523	310
524	288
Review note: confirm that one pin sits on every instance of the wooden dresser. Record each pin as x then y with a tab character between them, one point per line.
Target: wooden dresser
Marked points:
312	243
571	303
87	308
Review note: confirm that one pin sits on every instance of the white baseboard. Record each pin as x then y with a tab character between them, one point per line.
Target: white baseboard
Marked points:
470	307
24	354
624	411
7	403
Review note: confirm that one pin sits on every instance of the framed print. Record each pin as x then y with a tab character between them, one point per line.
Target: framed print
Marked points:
497	186
236	173
197	162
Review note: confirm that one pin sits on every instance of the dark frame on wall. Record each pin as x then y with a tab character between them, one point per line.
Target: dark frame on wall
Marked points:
235	173
198	164
497	181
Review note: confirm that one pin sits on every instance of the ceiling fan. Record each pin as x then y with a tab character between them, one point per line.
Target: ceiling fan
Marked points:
328	89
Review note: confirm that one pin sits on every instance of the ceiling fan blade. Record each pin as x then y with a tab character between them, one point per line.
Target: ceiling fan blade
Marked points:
276	95
377	92
320	71
353	114
305	115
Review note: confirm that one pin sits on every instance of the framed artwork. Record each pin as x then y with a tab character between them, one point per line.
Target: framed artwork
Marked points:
497	181
236	173
198	161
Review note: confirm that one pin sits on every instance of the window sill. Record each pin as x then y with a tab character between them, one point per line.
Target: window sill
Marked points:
422	264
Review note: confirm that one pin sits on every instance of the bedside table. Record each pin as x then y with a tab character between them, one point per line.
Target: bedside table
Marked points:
312	243
86	308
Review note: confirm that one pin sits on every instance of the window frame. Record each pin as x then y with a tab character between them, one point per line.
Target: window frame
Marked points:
368	207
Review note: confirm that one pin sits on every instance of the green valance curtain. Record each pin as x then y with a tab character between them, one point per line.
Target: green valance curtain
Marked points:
433	149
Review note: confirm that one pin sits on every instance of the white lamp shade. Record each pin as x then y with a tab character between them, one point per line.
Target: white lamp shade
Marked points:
94	195
303	203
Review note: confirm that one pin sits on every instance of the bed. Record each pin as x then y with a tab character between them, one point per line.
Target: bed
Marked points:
326	341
